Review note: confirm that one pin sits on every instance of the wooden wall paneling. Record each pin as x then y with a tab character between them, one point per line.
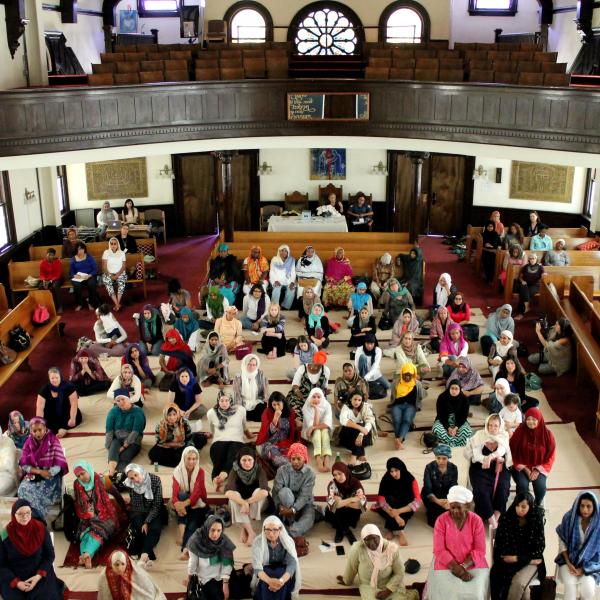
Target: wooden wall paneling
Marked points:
403	192
448	185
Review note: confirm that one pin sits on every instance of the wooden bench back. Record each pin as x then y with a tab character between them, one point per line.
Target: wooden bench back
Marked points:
314	237
95	249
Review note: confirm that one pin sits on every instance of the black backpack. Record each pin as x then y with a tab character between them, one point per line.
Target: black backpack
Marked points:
18	339
70	520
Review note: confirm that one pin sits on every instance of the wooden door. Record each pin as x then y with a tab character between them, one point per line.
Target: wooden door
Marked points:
402	191
446	193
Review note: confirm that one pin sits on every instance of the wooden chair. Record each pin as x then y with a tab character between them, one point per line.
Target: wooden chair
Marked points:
380	53
352	199
207	62
545	56
126	78
427	63
180	55
151	77
103	68
528	66
425	53
517	56
548	67
478	76
176	65
377	73
498	55
207	74
451	75
128	67
155	214
152	65
506	78
480	65
557	79
232	73
134	56
277	66
451	63
398	73
385	62
296	201
164	55
255	68
531	78
266	212
216	31
325	190
504	66
253	53
404	63
231	53
230	63
427	74
111	57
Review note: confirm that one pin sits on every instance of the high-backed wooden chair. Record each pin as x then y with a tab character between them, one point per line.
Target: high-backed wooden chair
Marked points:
325	190
267	211
296	201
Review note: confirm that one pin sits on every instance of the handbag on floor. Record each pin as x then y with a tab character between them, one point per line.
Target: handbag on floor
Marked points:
194	589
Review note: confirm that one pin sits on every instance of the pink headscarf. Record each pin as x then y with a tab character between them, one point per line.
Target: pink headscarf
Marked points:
448	346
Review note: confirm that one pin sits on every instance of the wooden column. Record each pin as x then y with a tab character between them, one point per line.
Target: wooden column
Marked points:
226	214
416	217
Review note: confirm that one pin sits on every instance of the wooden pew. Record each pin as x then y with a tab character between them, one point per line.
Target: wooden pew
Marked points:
3	302
314	237
21	315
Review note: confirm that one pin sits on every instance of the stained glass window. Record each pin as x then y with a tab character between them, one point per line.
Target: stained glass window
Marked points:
326	31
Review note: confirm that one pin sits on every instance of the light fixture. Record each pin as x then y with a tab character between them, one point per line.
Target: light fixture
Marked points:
480	173
264	169
379	169
29	195
166	171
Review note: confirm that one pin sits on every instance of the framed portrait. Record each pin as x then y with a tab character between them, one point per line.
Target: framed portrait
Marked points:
128	21
328	163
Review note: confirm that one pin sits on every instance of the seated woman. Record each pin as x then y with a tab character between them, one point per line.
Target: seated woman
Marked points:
277	431
130	213
384	272
360	215
409	351
518	550
97	515
247	490
87	374
303	354
497	322
185	393
123	579
403	402
308	377
498	226
397	299
276	571
44	465
378	565
224	274
173	434
114	272
495	401
557	257
452	409
124	430
346	386
367	361
69	245
406	322
179	297
359	428
174	355
57	403
317	425
512	370
127	384
398	499
27	558
147	513
186	323
189	497
440	322
109	334
309	272
18	429
338	280
211	558
488	453
443	292
452	348
491	241
460	569
439	476
82	272
282	277
459	310
346	501
469	379
255	269
9	466
528	283
255	306
317	326
229	329
138	360
105	217
272	326
216	305
533	449
359	299
557	356
500	350
579	548
227	422
251	388
213	364
514	256
307	301
362	325
412	272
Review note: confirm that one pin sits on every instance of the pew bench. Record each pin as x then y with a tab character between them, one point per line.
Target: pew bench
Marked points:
314	237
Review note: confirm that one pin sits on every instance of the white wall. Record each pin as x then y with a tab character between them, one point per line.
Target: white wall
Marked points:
27	213
291	171
563	36
160	189
11	69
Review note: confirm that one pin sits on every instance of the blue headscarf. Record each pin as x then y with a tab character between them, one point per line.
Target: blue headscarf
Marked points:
583	554
315	320
186	329
187	390
359	300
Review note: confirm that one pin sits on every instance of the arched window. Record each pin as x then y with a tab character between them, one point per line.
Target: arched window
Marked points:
326	28
249	23
404	22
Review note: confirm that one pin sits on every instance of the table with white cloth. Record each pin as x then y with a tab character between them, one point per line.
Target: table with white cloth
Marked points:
277	223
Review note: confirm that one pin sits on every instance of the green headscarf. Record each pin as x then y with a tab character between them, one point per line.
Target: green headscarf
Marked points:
85	465
215	304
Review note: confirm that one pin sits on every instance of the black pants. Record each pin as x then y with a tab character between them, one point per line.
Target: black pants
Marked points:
213	589
526	292
391	524
482	481
148	541
90	284
223	455
433	511
348	440
93	388
488	262
486	342
435	344
270	341
193	520
167	457
256	413
343	518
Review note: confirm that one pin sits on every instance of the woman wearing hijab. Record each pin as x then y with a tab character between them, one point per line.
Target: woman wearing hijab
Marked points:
412	271
495	401
174	354
247	490
87	374
362	325
146	511
443	292
338	280
124	580
255	269
378	566
272	326
488	452
127	384
491	241
397	299
282	277
398	499
383	272
307	377
452	347
497	322
346	501
27	558
358	428
124	430
185	393
97	514
229	329
452	409
346	386
439	476
458	309
317	425
500	350
317	326
44	465
276	570
469	379
460	569
367	361
138	360
559	256
403	402
105	217
224	274
211	558
186	323
114	271
213	364
308	299
407	321
528	283
579	548
495	219
309	272
251	388
441	321
518	550
18	429
57	403
358	300
216	305
533	450
173	434
254	307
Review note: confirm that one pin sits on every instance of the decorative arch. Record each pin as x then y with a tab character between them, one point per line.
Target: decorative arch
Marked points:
411	4
234	9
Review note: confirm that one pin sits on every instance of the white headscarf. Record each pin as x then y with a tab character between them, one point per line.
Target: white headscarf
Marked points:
249	385
380	558
386	258
501	349
501	438
308	412
442	294
284	265
180	474
144	488
505	389
459	494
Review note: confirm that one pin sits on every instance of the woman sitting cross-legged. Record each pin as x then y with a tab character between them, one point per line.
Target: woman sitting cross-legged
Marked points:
272	326
512	370
126	384
108	333
439	324
408	350
114	271
497	322
174	354
407	321
213	364
368	361
251	388
57	403
346	502
317	326
216	305
452	347
211	558
307	301
403	403
346	386
173	434
440	475
27	558
185	393
303	354
359	428
362	324
229	329
338	280
282	277
317	426
398	499
254	307
186	323
247	490
150	326
87	374
97	515
44	465
452	409
309	272
397	299
500	350
179	297
140	365
307	377
358	300
469	379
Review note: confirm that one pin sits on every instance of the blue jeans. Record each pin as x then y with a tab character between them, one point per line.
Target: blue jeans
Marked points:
403	416
246	323
288	296
522	482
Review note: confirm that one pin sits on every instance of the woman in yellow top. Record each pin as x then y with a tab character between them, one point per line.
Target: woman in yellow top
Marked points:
403	402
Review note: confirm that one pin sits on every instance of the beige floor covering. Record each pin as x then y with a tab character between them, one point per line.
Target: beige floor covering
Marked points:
575	467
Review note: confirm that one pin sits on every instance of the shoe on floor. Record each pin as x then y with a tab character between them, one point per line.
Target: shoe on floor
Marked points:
351	537
339	536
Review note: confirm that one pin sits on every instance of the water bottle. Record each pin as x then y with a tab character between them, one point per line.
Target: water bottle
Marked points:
338	458
156	467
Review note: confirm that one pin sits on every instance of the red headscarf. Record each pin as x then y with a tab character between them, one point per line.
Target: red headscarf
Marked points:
120	586
27	539
298	449
531	447
179	354
178	346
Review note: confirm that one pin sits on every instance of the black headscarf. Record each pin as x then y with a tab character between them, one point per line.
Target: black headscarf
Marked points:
370	337
491	237
447	404
400	490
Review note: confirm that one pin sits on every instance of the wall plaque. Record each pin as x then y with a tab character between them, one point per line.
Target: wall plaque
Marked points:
334	106
112	179
539	181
